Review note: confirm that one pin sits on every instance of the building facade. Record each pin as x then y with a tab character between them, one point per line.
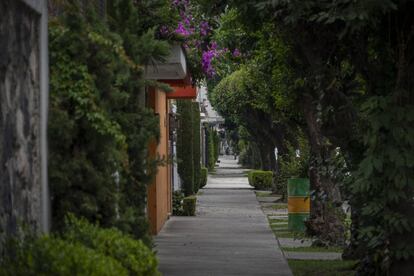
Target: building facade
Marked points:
173	72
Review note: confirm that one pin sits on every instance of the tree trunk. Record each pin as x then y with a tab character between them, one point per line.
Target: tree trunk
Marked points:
326	213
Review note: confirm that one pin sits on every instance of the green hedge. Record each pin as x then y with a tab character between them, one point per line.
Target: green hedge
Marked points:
96	94
212	148
132	254
216	140
261	180
185	146
189	206
177	200
188	146
54	256
204	175
196	146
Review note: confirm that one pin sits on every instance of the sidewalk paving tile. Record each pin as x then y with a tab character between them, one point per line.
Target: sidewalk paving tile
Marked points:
230	234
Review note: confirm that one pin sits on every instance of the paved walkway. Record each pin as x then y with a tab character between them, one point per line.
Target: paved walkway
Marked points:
229	236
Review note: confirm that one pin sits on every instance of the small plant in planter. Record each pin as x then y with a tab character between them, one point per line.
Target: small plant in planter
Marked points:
184	206
189	205
203	180
261	180
178	197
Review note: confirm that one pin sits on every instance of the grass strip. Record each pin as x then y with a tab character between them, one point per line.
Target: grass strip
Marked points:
263	194
279	206
313	249
325	268
278	220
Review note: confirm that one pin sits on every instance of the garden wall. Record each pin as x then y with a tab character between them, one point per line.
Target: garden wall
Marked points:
20	118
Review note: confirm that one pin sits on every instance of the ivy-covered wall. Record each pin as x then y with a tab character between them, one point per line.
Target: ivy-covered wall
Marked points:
98	129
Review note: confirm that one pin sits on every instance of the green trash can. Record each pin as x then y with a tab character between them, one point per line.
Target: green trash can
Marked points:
298	203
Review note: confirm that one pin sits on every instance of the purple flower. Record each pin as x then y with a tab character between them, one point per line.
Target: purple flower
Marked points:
182	30
236	53
187	21
206	62
204	28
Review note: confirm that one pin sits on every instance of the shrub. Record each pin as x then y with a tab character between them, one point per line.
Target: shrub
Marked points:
185	149
132	254
196	145
54	256
249	177
292	166
211	149
204	174
178	197
189	205
261	180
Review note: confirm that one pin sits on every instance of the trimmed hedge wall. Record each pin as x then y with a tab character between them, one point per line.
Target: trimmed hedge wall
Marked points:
212	148
261	180
196	146
188	146
185	146
216	140
204	175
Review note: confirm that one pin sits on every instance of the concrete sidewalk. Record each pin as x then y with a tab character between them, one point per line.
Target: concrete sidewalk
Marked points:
229	236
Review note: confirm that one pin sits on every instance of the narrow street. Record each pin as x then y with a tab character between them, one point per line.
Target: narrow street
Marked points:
229	236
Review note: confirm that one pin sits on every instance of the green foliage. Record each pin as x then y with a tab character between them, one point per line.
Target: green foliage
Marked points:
196	145
212	148
188	146
75	176
132	254
249	153
177	199
189	205
184	206
54	256
292	166
318	267
384	182
216	141
185	146
319	78
204	175
96	88
261	180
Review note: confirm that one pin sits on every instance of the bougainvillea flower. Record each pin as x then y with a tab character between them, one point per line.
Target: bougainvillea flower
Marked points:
236	53
204	28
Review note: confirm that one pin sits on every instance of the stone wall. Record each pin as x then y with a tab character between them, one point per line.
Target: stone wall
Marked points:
20	181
